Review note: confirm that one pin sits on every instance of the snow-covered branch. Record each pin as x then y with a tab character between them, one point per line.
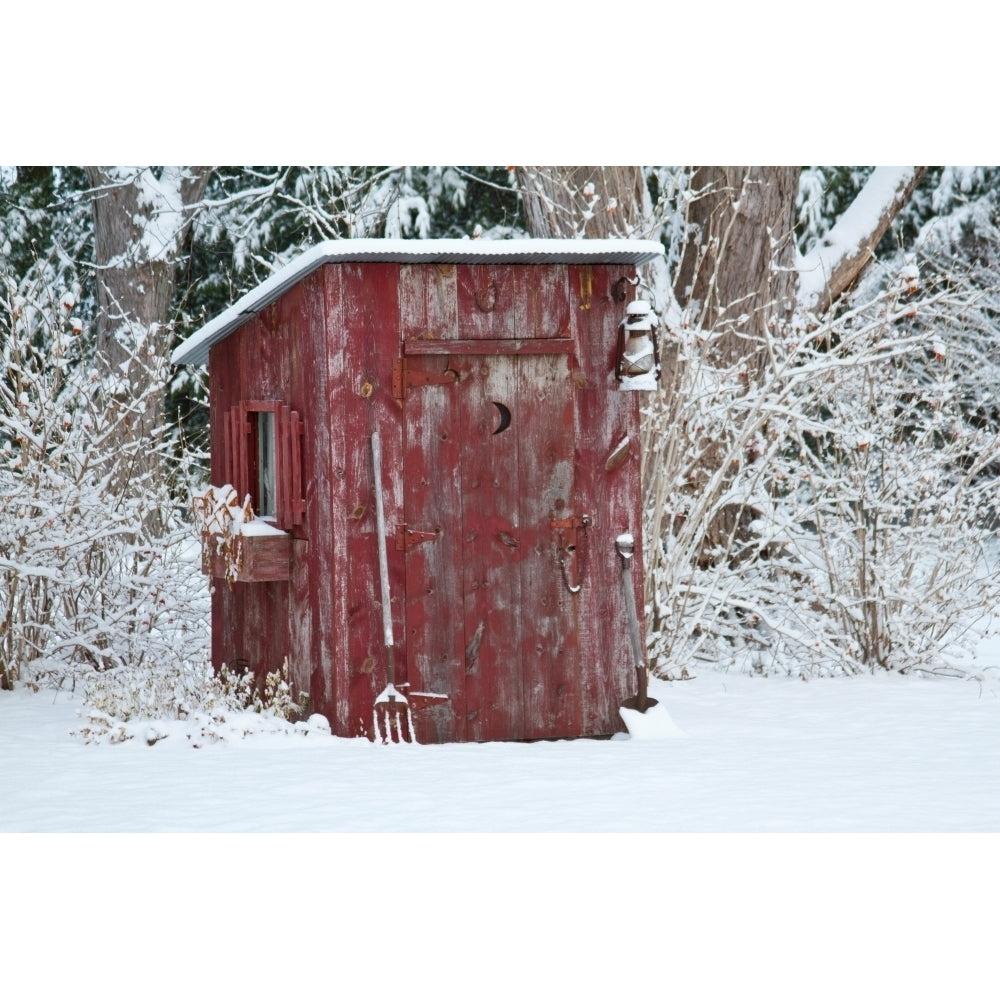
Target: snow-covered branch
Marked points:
85	581
830	267
832	514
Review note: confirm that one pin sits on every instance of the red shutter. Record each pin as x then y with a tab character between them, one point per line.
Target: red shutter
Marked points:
236	461
288	473
298	486
229	448
241	456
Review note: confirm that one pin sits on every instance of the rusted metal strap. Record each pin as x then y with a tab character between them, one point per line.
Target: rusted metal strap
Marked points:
407	537
404	378
534	345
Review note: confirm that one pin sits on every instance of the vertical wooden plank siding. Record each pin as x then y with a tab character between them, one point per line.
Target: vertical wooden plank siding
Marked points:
434	640
604	417
370	332
302	387
434	629
541	302
486	296
494	541
428	304
332	508
554	566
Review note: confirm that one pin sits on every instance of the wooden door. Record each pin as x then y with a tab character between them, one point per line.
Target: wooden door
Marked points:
493	544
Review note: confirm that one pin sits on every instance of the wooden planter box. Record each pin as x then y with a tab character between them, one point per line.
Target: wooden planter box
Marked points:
253	558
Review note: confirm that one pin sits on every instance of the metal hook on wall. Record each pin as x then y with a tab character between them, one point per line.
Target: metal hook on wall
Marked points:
618	290
567	549
573	588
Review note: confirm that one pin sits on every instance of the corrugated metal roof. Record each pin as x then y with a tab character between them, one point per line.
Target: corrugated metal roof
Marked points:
194	350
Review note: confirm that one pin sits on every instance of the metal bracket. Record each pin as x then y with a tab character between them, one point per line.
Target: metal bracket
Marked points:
618	290
423	699
584	521
404	378
407	537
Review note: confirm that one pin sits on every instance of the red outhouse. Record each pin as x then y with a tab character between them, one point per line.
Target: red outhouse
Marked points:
490	375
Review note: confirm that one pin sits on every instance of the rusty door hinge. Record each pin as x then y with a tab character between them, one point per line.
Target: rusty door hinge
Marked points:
407	537
572	522
403	378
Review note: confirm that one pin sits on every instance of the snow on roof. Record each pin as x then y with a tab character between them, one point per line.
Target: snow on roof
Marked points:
194	350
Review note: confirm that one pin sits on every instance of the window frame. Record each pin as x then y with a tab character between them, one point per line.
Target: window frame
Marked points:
243	465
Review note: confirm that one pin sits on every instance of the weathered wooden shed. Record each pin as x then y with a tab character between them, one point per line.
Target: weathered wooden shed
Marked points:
510	465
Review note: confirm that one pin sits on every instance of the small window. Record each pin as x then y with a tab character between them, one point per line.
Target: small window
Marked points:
263	441
266	468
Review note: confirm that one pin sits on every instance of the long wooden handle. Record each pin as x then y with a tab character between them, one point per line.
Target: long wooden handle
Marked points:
633	619
625	545
383	557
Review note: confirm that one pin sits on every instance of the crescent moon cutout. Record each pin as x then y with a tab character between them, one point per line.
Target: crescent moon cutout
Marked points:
504	417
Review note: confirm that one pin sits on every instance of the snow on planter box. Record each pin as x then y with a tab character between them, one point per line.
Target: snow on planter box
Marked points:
237	546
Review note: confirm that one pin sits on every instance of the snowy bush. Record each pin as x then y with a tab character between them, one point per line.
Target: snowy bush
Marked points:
124	704
835	513
97	567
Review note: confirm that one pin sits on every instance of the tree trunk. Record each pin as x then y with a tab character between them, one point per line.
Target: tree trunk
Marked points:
737	273
139	225
593	202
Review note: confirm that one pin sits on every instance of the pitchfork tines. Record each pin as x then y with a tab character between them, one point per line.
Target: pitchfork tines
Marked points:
392	718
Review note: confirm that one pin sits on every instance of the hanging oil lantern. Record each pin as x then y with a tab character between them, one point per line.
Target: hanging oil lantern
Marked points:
638	364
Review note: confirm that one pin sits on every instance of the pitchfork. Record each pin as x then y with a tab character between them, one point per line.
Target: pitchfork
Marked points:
390	706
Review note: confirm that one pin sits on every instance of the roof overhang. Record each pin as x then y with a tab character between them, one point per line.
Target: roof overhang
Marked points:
194	350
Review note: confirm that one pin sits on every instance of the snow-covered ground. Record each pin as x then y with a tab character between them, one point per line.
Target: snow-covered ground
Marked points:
514	916
870	754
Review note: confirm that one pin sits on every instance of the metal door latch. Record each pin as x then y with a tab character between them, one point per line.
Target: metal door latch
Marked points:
404	377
